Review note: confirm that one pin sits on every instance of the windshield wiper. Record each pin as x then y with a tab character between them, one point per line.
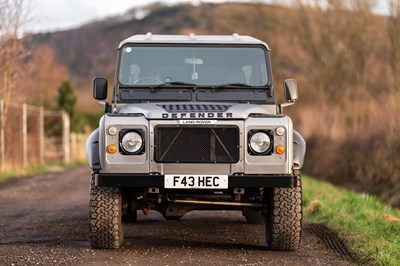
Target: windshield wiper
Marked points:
173	83
238	85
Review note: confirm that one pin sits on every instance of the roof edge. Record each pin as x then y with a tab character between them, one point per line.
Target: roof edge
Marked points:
192	38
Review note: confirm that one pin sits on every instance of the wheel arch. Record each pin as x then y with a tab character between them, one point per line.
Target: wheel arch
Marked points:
92	150
299	150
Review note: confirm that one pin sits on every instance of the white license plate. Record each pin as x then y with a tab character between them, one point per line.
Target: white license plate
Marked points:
196	181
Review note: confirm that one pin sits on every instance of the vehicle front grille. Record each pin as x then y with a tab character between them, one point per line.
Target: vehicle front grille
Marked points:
183	144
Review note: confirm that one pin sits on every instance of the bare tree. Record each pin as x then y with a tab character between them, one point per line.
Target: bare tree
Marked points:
13	13
319	27
44	77
337	36
394	33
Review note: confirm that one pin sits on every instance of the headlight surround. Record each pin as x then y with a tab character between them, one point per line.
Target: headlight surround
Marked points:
260	142
131	142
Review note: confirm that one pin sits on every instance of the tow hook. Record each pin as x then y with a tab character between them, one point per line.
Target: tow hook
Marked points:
238	193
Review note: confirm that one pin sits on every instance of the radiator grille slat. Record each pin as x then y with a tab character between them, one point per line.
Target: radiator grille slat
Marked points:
196	144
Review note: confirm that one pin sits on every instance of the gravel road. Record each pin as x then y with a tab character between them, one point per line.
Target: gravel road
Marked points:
43	221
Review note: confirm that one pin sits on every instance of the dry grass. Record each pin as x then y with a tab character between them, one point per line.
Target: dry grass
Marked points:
356	144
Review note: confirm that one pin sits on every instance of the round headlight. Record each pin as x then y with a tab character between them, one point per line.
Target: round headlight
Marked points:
132	142
260	142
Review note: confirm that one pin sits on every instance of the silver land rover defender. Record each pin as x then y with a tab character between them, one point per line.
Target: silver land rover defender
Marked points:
193	125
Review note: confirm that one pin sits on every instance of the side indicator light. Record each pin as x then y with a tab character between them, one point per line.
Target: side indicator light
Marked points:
112	148
280	149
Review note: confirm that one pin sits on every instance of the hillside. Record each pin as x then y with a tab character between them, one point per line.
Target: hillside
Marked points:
90	50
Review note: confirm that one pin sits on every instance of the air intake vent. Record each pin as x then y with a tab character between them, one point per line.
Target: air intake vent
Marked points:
195	107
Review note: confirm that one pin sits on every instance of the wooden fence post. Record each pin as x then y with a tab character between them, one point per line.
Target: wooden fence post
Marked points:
24	136
2	137
66	132
41	135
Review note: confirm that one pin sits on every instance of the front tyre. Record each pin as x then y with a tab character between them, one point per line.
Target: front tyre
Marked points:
105	226
284	218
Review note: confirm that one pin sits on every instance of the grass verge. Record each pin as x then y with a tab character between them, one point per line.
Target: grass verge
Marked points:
370	228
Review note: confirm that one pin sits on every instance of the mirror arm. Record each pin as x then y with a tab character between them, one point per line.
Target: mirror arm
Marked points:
279	108
107	106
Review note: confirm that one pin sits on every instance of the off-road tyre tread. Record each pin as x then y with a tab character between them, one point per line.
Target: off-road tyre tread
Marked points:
105	226
284	219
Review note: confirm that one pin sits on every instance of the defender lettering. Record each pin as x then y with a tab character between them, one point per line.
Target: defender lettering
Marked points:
195	115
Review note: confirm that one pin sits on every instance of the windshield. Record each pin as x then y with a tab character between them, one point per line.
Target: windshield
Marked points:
199	65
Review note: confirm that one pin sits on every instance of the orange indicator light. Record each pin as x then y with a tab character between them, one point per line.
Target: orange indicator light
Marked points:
112	148
280	149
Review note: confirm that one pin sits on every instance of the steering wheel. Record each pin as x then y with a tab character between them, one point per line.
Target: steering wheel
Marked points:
140	81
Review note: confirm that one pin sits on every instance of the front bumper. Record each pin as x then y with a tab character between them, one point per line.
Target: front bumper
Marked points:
157	181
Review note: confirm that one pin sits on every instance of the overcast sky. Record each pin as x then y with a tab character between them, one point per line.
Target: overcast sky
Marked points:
53	15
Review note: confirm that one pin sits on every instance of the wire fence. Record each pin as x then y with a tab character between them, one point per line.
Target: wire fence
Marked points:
32	137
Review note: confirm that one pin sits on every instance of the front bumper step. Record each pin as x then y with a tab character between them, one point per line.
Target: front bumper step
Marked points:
235	181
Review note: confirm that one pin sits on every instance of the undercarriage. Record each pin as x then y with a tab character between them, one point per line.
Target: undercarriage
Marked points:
172	203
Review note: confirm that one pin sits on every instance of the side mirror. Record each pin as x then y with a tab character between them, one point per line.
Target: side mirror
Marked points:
290	90
100	89
291	94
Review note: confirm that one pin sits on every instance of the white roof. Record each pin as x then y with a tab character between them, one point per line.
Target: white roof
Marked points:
193	39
